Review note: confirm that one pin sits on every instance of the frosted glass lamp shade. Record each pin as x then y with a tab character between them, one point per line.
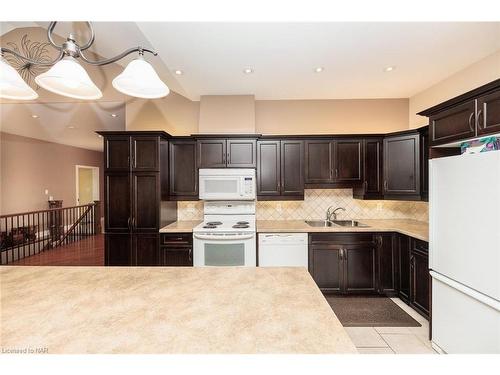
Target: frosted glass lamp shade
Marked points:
12	86
139	79
68	78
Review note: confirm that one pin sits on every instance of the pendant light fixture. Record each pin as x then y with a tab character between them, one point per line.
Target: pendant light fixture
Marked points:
68	78
12	85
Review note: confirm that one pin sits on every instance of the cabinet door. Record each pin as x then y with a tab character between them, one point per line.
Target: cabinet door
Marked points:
145	249
420	297
145	153
424	164
117	202
403	245
211	153
118	249
325	266
146	201
402	165
268	168
292	168
176	256
359	266
348	161
386	263
488	114
318	161
373	167
241	153
454	124
117	153
183	172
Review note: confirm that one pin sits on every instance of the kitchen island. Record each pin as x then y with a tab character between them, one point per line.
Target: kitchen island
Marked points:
167	310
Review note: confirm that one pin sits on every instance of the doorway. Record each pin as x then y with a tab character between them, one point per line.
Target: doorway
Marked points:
87	184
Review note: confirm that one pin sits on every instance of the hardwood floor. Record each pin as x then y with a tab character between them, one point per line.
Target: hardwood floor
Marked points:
87	252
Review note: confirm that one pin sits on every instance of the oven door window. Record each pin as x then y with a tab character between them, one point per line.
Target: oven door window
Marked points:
220	254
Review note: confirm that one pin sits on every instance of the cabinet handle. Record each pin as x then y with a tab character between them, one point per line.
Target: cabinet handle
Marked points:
128	223
336	173
385	184
470	122
190	254
365	184
331	174
479	114
133	223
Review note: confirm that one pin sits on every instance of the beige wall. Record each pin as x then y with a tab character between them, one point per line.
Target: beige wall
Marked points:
478	74
29	166
331	116
174	114
227	114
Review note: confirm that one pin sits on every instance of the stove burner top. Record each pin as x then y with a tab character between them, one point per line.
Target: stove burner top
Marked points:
241	226
243	222
210	226
215	223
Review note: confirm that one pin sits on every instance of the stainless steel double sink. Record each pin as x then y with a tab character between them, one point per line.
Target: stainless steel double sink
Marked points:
333	223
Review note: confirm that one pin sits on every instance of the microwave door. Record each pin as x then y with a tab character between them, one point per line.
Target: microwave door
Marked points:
219	187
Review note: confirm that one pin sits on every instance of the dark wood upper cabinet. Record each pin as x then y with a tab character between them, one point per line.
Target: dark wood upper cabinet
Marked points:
488	114
241	153
348	161
230	153
280	167
292	168
117	153
146	201
402	165
211	153
318	161
118	204
145	153
454	124
268	168
424	163
183	181
473	114
371	187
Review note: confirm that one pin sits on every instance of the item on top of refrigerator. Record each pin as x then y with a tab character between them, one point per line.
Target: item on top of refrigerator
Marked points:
480	145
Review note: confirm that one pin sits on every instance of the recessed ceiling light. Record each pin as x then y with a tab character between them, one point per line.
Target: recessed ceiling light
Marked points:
99	136
389	68
71	127
114	115
248	71
319	69
34	116
178	72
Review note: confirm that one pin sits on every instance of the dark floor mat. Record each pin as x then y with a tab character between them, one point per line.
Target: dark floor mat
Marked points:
370	312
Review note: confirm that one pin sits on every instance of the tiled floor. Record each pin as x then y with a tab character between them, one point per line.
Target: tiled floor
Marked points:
393	340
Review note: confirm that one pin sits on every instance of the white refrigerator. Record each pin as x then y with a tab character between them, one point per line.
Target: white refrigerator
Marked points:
464	252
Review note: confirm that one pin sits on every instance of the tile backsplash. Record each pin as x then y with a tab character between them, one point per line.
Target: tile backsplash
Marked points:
314	206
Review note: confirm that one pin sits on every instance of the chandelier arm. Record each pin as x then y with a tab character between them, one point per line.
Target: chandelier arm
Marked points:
28	60
117	57
92	37
50	29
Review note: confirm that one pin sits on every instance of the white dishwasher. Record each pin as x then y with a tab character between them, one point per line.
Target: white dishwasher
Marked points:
282	250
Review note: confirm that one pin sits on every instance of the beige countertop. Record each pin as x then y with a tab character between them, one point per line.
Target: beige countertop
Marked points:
412	228
180	226
167	310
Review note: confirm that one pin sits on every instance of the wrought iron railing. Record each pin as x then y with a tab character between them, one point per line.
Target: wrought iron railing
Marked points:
29	233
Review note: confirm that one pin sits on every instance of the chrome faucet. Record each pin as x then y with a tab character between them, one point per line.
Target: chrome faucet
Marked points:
333	213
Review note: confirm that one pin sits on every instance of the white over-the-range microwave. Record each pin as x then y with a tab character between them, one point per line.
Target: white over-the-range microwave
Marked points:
227	184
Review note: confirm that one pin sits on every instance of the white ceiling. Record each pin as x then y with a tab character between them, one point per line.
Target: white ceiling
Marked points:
70	123
284	55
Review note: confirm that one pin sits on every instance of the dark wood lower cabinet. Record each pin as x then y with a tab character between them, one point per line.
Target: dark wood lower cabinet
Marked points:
176	249
131	249
420	281
403	255
343	262
387	272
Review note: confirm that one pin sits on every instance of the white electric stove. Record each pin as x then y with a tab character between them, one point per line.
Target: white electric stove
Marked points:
227	236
